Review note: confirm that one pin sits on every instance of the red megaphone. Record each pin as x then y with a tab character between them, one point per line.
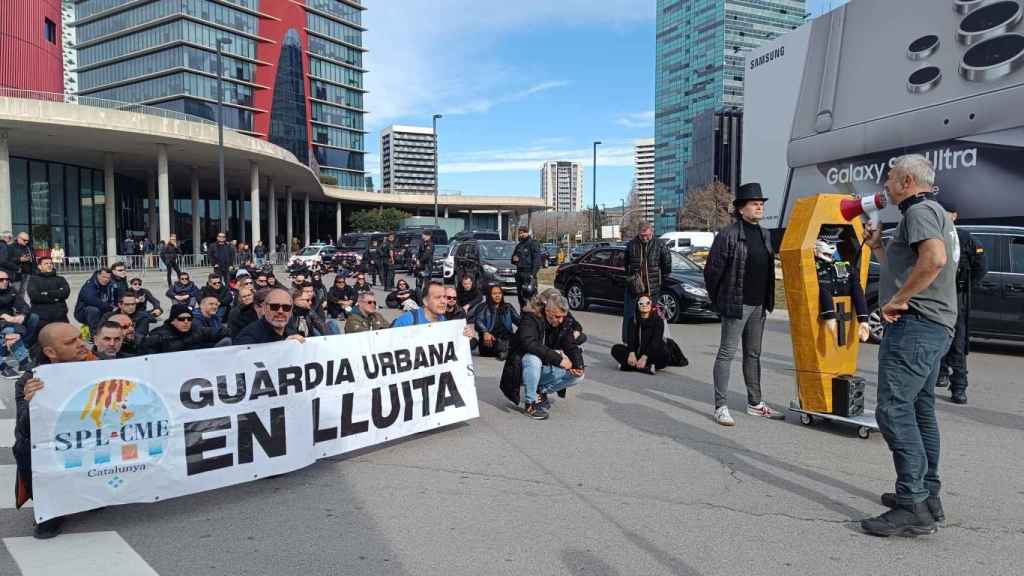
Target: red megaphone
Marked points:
868	205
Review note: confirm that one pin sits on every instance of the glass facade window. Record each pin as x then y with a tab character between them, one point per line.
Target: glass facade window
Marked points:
87	8
127	19
337	137
237	118
332	157
337	116
58	204
333	29
177	31
221	14
336	94
344	179
183	83
288	105
187	56
337	8
335	73
335	51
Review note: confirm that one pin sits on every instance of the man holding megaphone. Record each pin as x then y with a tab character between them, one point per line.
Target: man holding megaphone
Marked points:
918	289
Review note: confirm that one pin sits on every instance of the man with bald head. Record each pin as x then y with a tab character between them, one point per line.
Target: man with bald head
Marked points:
59	343
275	314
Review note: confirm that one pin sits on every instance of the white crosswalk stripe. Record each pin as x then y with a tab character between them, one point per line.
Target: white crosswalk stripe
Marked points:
81	554
6	432
8	472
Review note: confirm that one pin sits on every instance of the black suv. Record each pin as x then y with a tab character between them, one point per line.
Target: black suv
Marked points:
997	308
488	261
599	277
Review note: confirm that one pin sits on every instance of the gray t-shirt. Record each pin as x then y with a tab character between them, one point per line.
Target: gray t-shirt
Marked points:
923	221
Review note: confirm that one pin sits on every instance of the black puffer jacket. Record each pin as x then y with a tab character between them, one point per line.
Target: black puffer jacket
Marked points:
15	266
652	260
536	337
528	257
167	339
240	317
48	293
724	270
11	304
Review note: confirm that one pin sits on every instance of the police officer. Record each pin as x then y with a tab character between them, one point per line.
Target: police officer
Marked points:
424	261
528	259
969	272
387	261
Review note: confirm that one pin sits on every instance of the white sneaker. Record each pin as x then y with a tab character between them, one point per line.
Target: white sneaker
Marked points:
764	411
723	417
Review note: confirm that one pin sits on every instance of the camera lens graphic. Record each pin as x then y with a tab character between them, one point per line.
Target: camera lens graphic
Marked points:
989	21
966	6
924	79
923	47
993	58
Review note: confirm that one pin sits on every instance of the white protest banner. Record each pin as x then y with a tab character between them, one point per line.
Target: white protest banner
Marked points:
155	427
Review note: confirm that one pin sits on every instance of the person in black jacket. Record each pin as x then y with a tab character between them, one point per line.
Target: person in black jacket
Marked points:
646	349
545	355
146	298
131	305
275	316
170	256
119	277
340	298
243	312
216	287
387	262
423	261
96	297
178	334
19	260
361	285
184	291
648	261
469	296
740	279
371	261
222	255
402	293
59	343
48	294
528	259
496	322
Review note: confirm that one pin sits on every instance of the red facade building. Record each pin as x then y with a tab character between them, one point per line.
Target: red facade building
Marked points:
30	45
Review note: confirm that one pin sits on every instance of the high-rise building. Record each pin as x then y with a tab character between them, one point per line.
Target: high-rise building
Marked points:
717	149
30	46
293	69
561	185
407	156
643	175
700	48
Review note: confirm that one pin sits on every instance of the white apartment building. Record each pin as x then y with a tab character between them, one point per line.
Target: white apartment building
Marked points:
643	172
407	156
561	185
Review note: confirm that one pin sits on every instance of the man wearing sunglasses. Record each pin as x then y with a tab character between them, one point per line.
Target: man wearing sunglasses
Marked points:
365	316
129	338
179	334
216	287
275	313
340	298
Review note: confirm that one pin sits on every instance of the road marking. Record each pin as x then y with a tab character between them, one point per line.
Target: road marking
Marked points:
8	472
81	554
2	405
6	432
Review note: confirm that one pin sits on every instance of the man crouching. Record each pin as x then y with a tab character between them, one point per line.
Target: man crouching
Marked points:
545	354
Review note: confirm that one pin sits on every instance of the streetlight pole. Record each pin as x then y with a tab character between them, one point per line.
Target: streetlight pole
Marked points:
220	133
435	119
593	216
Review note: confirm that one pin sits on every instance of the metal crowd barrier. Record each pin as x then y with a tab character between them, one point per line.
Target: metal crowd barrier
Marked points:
147	262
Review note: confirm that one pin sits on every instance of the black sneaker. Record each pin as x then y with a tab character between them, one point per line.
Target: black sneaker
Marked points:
48	529
8	372
536	411
542	401
901	522
943	381
933	502
958	397
561	393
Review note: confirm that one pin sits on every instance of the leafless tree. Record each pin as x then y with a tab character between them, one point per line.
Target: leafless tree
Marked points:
706	208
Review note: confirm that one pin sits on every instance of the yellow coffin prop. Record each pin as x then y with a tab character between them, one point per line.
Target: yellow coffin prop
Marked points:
816	352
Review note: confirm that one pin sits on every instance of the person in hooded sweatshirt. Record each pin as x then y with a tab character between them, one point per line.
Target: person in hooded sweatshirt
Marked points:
469	295
646	349
48	293
184	291
96	297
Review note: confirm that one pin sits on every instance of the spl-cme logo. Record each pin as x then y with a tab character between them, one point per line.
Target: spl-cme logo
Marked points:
112	428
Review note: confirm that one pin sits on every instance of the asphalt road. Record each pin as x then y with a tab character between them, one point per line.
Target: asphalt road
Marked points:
629	476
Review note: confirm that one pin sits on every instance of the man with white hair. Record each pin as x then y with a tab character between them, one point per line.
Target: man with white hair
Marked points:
918	288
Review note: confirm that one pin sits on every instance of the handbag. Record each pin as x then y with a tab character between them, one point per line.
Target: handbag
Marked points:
675	354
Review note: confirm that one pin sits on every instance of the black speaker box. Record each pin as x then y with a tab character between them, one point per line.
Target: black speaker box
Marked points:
847	395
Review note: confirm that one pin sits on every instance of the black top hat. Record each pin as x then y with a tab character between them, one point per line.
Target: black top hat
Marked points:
751	191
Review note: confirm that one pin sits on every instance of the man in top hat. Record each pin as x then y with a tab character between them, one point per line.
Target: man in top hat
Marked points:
970	270
740	279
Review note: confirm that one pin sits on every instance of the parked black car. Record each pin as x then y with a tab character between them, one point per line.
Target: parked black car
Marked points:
408	239
997	309
581	249
489	261
599	277
477	235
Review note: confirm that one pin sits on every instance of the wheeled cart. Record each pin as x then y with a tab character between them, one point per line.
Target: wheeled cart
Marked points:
866	423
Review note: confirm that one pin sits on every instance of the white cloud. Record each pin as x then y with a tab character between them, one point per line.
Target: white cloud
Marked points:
435	55
643	119
531	158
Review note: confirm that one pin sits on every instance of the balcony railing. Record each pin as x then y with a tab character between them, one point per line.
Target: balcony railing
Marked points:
63	98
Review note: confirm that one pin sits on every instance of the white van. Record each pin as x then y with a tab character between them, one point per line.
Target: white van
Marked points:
696	239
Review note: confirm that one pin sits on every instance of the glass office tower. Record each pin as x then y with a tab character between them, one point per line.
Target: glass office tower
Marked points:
292	69
700	50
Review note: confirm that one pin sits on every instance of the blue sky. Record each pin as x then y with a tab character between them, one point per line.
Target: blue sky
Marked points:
518	83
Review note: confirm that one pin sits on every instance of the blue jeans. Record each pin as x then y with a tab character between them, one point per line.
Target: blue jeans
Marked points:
908	365
628	311
17	353
546	379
